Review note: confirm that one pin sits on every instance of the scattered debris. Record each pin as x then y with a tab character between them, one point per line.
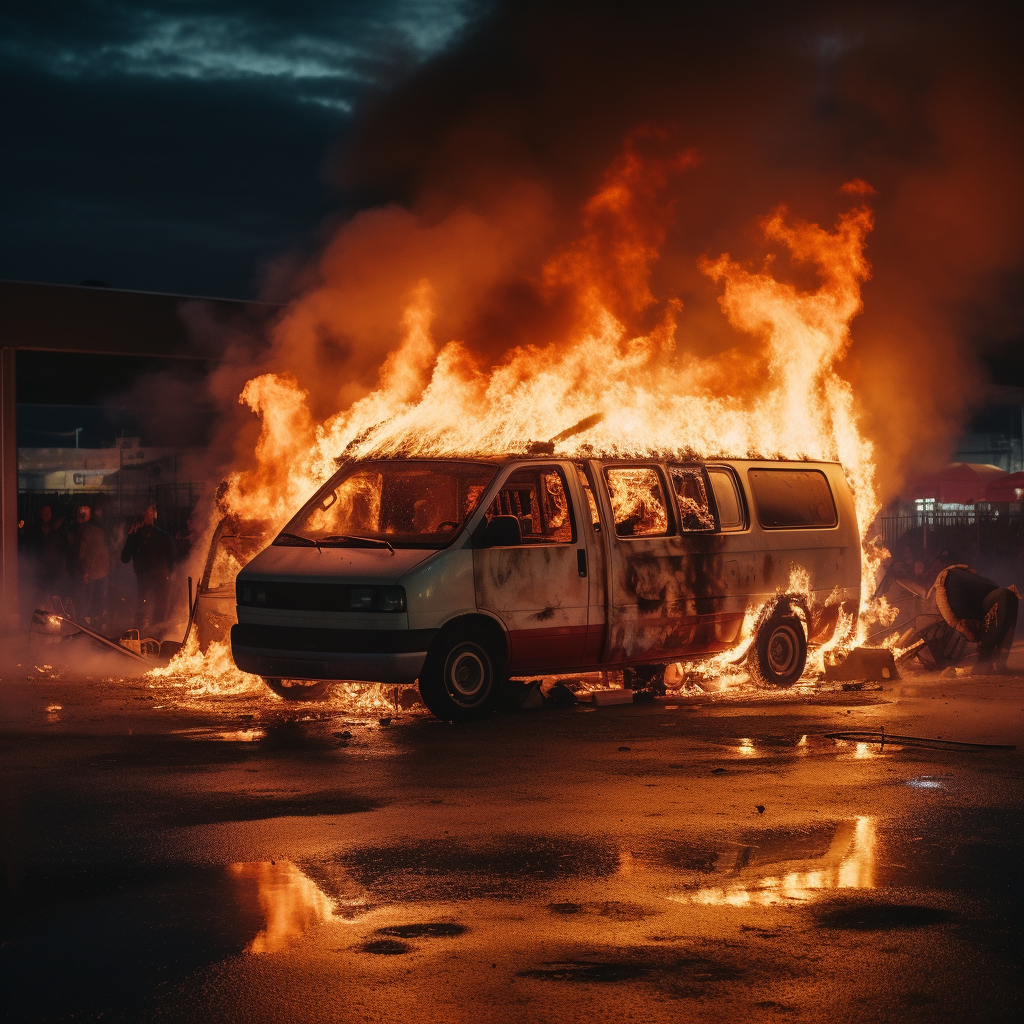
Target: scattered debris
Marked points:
59	623
862	663
534	698
603	698
560	696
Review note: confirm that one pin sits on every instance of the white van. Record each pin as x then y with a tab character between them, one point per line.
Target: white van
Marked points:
462	574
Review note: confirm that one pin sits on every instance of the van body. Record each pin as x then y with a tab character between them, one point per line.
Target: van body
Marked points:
563	565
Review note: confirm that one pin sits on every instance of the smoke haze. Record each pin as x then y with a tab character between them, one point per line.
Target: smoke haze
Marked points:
474	175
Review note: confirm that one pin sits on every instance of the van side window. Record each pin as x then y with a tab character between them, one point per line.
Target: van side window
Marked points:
694	514
595	519
730	508
792	499
538	498
638	504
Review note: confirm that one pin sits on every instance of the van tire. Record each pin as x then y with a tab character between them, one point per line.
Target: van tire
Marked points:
779	652
463	676
297	689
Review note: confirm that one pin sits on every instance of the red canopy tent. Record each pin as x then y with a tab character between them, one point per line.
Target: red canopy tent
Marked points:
1008	487
959	483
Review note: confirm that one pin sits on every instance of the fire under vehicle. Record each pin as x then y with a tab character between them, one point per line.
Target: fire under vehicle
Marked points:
463	573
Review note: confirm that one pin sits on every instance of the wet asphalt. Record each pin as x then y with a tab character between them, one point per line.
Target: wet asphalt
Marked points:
171	855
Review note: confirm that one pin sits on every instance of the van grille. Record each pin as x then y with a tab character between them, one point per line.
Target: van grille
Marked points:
318	597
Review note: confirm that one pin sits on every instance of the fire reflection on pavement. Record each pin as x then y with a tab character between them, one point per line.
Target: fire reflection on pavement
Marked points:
291	902
849	863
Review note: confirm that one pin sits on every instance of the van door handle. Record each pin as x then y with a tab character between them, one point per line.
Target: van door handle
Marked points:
581	561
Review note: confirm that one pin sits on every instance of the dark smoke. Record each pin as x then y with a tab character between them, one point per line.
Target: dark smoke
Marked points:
473	172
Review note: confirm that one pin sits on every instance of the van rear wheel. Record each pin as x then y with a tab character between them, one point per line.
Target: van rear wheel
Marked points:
462	677
779	652
298	689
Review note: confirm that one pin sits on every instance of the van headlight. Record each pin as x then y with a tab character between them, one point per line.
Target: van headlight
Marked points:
391	599
376	599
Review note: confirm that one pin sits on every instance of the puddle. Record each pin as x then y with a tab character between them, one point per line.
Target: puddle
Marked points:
290	901
870	916
796	870
237	735
425	930
925	782
500	869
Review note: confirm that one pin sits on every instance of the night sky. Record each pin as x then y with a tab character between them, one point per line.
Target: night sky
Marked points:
214	147
177	146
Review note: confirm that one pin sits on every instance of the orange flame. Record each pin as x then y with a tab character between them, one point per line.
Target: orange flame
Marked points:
655	395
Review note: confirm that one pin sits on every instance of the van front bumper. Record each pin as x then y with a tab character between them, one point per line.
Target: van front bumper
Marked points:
394	656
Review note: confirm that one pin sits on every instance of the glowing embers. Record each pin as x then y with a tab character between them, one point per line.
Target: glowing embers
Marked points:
771	873
291	903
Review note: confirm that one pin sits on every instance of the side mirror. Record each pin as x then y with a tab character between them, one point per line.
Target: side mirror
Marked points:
502	532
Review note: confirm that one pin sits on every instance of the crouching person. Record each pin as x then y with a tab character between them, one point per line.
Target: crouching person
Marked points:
984	612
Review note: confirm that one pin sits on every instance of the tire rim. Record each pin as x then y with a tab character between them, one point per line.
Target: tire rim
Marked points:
468	674
783	650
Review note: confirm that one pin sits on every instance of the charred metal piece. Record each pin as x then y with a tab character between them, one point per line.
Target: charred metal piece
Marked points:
868	663
884	737
548	447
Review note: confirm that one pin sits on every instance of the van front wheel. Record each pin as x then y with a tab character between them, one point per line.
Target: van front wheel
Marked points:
779	652
461	678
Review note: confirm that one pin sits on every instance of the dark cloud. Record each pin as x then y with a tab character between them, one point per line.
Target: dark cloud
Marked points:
177	146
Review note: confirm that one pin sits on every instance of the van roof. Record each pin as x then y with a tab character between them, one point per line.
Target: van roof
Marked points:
534	456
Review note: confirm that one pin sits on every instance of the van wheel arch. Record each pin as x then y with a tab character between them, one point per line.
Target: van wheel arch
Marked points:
465	672
485	624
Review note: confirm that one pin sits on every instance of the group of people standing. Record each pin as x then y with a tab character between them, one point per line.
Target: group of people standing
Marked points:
75	560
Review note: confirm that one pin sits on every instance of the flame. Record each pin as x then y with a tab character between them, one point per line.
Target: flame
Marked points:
654	394
291	903
432	402
207	673
849	863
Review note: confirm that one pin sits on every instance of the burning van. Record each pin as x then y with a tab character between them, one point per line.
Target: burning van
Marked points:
462	574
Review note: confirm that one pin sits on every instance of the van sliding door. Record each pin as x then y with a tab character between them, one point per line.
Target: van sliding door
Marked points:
539	587
668	597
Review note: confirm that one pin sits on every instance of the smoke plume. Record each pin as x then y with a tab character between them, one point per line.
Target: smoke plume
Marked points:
478	177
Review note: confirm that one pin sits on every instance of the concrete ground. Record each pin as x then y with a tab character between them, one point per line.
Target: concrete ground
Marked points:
175	855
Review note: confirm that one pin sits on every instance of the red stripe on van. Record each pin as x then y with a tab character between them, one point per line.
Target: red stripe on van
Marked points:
555	647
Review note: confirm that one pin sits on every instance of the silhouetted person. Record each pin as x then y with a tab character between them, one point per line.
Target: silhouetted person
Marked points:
980	609
50	543
89	567
151	552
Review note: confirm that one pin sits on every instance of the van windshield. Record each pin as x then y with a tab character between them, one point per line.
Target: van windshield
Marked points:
396	504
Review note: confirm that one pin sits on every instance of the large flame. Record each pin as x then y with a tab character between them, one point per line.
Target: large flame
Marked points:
655	395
